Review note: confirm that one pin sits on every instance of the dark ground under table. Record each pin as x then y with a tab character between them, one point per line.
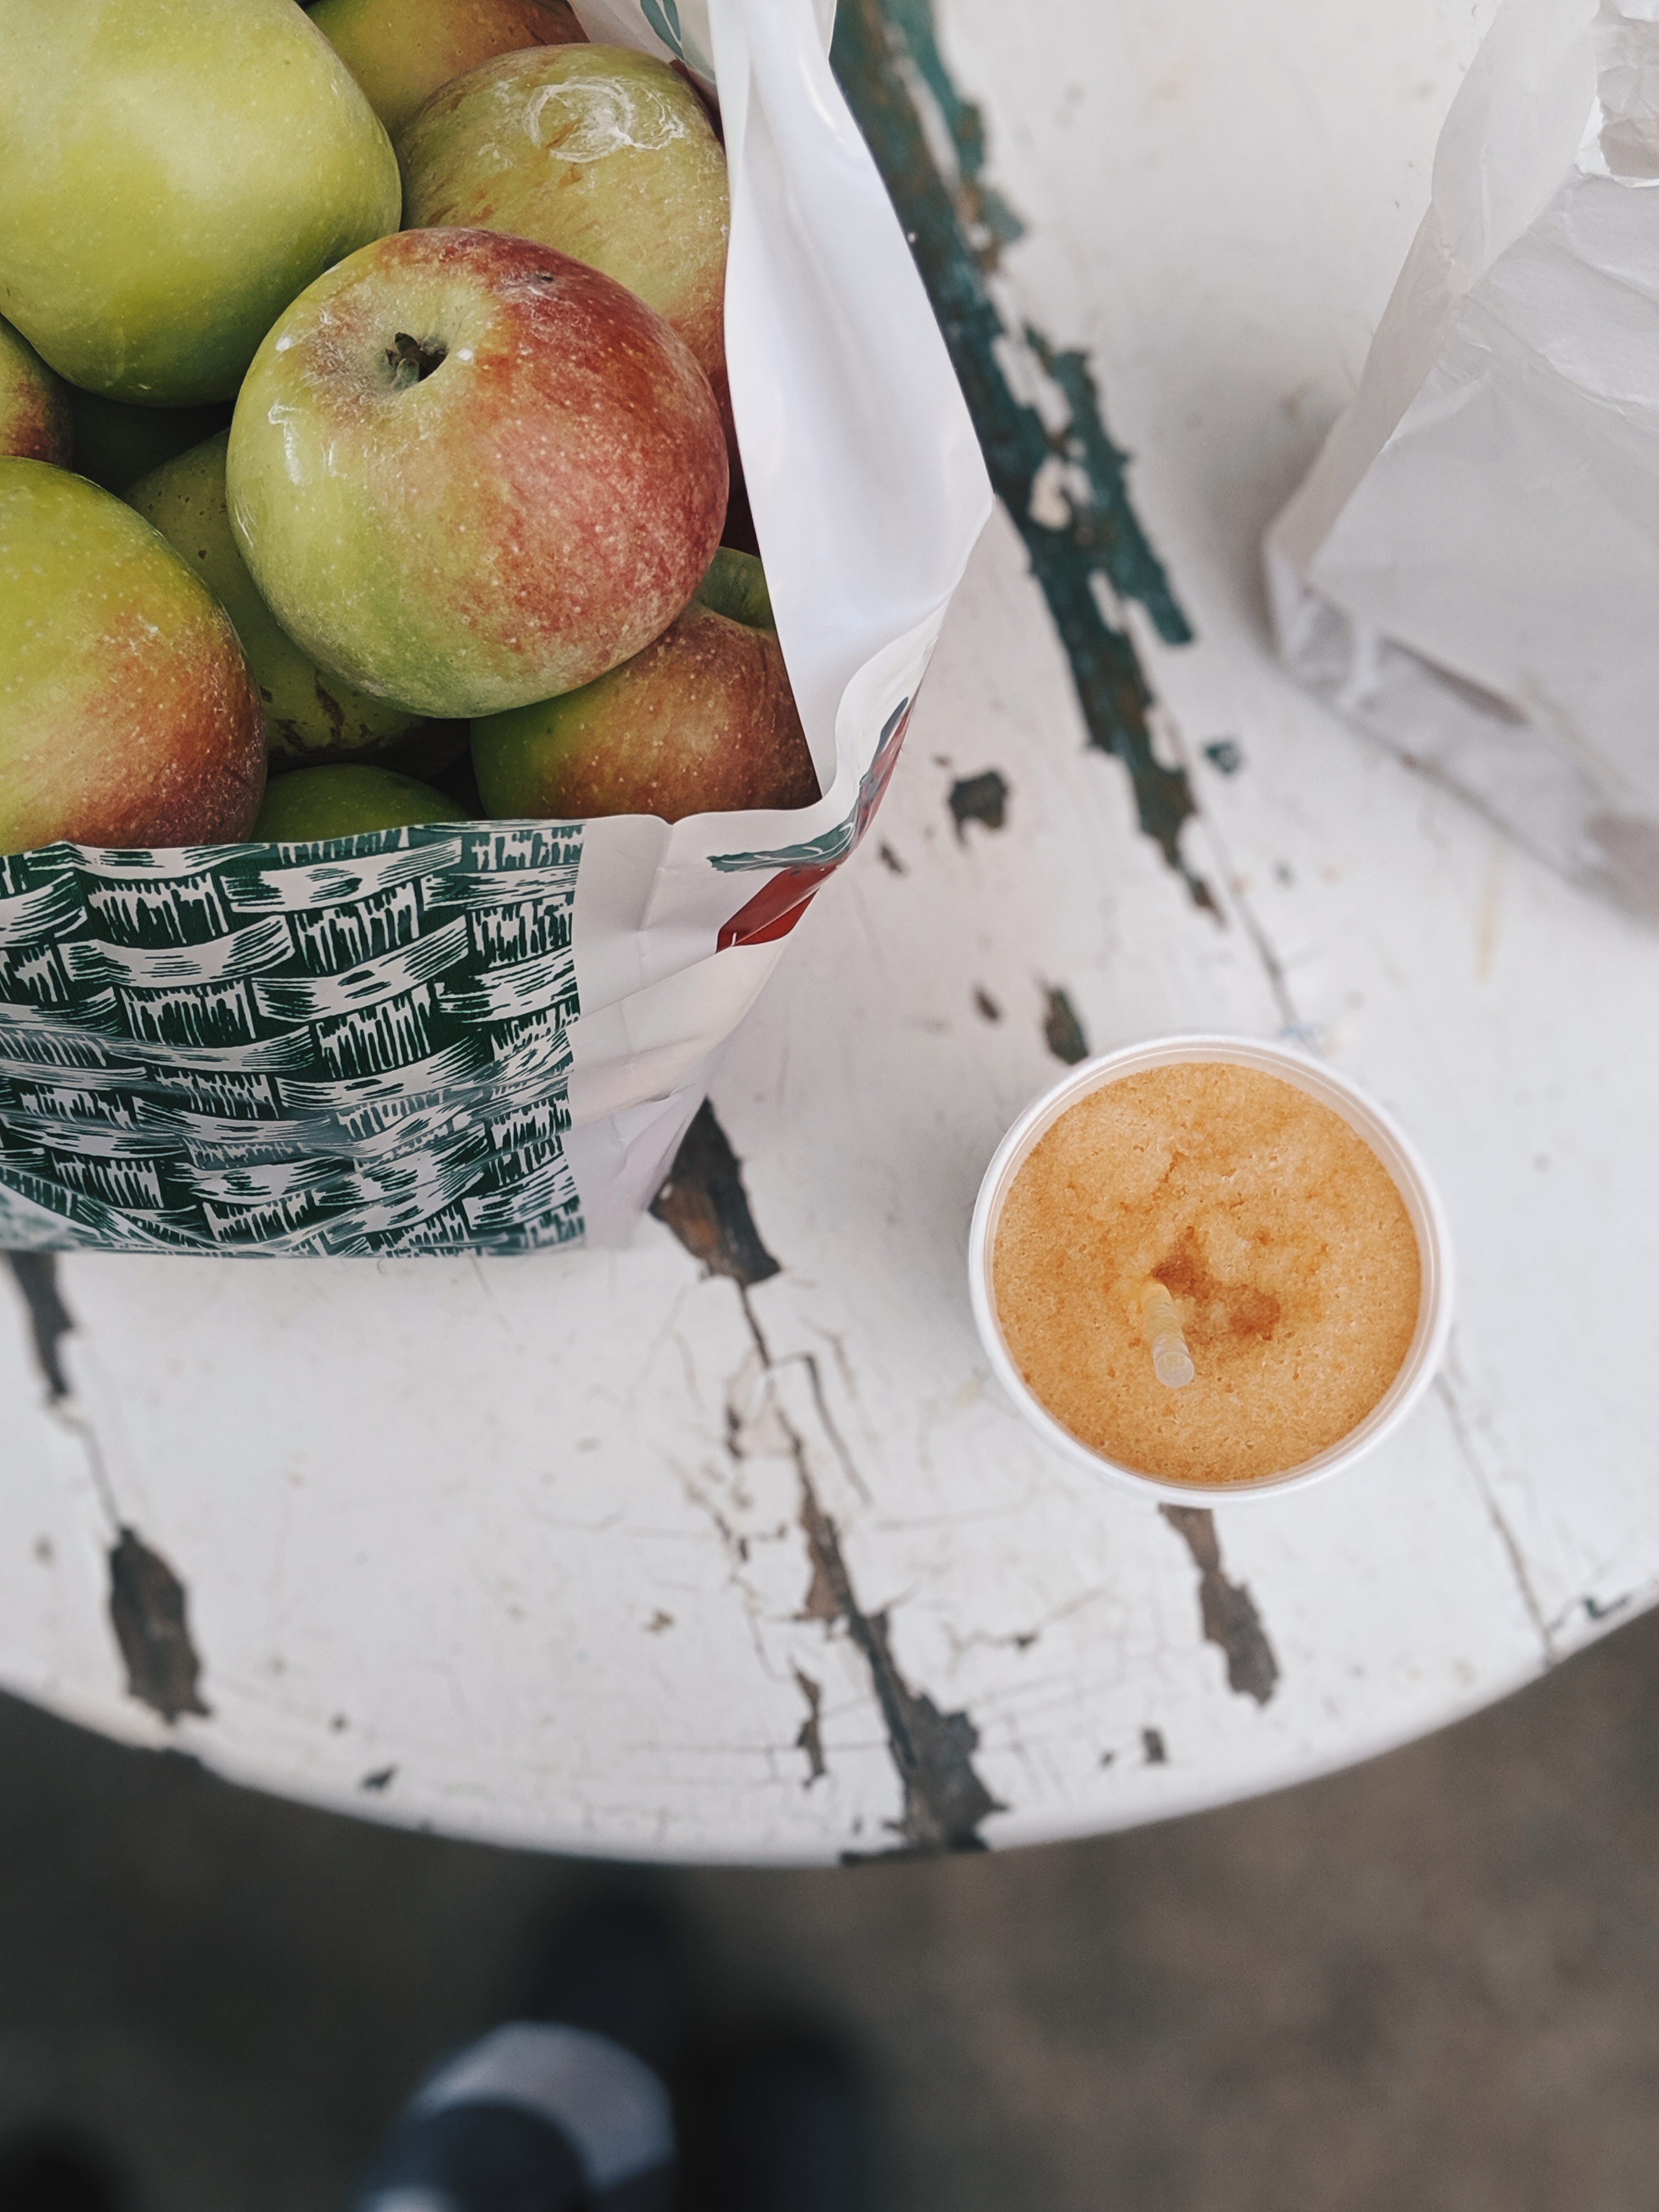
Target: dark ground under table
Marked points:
1428	1982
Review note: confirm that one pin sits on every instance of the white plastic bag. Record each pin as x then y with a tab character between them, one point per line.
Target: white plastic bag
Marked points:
1471	570
491	1038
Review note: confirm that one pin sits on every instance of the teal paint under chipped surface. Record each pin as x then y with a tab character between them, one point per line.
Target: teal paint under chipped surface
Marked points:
957	226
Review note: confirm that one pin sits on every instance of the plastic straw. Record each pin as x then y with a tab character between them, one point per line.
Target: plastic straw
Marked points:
1172	1363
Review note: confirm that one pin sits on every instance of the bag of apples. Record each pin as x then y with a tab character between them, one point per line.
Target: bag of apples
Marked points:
409	775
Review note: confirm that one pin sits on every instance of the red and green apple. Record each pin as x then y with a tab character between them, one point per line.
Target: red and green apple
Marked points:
401	50
127	713
703	721
466	471
307	716
608	156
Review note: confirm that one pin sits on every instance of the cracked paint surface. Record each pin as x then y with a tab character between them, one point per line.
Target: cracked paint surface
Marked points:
146	1601
944	1800
705	1203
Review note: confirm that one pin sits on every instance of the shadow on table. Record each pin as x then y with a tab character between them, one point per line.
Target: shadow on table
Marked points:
1432	1982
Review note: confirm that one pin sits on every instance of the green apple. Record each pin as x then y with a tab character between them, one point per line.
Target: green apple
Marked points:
735	585
607	155
172	173
703	721
465	471
315	803
401	50
306	717
115	444
34	419
127	713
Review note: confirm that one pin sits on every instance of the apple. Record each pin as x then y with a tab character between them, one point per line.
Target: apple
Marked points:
466	471
127	713
401	50
607	155
703	721
172	173
115	444
735	585
315	803
34	420
307	717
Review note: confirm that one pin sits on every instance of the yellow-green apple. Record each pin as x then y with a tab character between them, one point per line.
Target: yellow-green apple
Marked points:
34	419
173	172
127	713
314	803
703	721
735	585
608	156
307	718
401	50
115	444
466	471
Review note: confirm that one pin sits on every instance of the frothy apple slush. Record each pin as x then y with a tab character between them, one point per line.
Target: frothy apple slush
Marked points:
1279	1237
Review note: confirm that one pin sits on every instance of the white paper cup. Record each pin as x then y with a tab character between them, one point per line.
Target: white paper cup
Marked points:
1363	1115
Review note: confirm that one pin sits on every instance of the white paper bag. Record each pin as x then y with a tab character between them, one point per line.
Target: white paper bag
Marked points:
1471	570
491	1037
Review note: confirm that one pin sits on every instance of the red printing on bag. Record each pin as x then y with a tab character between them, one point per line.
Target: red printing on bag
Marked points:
776	907
781	901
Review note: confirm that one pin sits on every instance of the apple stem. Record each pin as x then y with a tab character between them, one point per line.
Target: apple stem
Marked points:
411	363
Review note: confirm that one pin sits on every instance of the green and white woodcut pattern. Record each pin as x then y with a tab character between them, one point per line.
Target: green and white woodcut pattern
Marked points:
354	1048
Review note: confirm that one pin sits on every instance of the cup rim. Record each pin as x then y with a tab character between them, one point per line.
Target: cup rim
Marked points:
1369	1121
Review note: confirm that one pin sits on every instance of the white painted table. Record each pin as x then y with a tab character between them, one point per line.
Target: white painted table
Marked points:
600	1553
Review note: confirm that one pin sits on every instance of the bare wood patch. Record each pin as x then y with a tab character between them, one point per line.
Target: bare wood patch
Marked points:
1227	1609
148	1610
1062	1032
50	1319
704	1203
810	1739
983	799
